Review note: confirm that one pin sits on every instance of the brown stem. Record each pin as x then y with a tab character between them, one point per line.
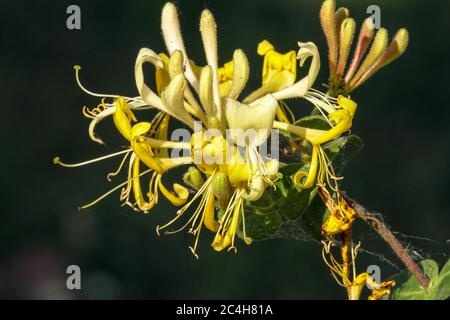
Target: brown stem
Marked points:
393	242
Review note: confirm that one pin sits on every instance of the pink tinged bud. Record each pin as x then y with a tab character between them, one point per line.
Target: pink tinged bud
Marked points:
376	51
327	20
395	49
365	37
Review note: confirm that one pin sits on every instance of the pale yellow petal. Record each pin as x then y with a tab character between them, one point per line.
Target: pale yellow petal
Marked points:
170	26
255	120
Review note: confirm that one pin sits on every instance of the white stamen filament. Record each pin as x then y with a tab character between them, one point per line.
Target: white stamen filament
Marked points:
113	190
100	95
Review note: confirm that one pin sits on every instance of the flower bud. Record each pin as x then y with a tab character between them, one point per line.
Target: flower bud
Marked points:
193	178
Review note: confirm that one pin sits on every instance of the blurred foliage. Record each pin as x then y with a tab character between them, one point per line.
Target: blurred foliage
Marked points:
408	288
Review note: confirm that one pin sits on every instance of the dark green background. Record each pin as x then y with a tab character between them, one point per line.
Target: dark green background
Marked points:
403	171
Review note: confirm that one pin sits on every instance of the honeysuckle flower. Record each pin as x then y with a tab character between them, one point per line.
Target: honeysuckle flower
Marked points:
341	216
140	151
104	109
209	95
232	178
355	283
193	94
379	290
339	30
339	113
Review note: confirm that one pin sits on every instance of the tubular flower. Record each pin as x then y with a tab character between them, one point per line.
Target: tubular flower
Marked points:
224	172
279	79
339	30
140	151
341	216
234	169
339	114
356	283
227	168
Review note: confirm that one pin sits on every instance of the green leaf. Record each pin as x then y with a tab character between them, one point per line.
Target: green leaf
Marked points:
408	288
260	226
314	122
281	209
346	146
296	202
342	150
313	218
443	283
264	205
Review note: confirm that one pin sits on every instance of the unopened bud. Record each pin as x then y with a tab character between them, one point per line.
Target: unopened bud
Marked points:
221	187
345	42
327	20
396	48
193	178
340	15
376	51
365	37
176	63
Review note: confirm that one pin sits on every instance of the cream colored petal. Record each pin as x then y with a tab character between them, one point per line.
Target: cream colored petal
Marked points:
206	91
173	100
149	97
176	66
102	115
257	187
301	87
174	92
170	26
134	105
176	63
256	183
208	30
241	70
254	120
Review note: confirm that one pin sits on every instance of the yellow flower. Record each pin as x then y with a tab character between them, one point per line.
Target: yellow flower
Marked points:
340	117
209	95
341	216
379	290
356	284
141	150
232	178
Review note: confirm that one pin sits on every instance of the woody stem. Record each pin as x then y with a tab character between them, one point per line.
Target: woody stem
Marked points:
392	241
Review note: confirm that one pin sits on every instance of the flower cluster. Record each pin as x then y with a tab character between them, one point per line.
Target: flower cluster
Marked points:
225	172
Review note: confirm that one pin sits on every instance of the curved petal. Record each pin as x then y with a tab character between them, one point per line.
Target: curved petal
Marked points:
122	117
102	115
170	26
300	88
208	30
241	71
250	124
139	105
149	97
256	184
173	100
